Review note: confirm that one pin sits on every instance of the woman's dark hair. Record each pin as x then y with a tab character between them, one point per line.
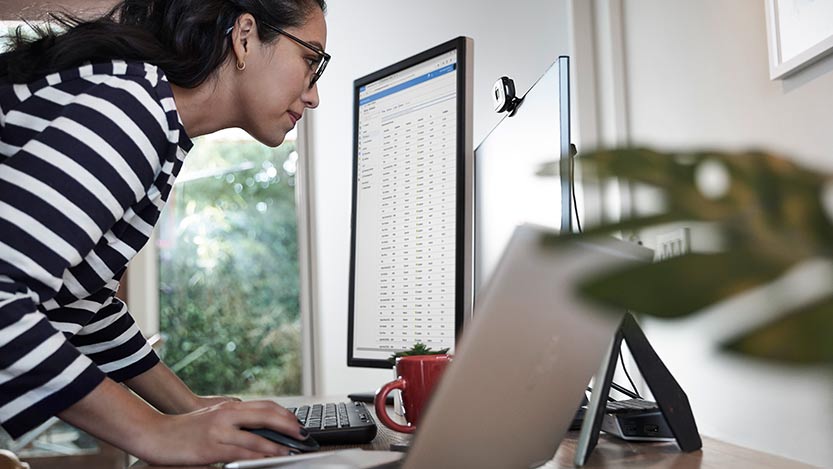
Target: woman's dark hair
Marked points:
185	38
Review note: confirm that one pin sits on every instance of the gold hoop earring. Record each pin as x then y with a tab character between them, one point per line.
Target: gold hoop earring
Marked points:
241	66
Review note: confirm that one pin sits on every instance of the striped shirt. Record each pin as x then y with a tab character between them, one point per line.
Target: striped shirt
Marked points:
88	157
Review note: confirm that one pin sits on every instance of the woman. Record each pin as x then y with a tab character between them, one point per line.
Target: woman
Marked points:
94	125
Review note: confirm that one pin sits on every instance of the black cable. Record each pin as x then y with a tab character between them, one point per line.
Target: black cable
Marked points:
573	185
622	359
635	393
619	388
609	399
624	391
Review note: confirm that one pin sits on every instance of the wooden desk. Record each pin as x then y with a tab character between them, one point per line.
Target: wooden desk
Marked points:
609	453
612	452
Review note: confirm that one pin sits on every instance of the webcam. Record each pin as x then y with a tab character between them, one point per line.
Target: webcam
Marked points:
504	95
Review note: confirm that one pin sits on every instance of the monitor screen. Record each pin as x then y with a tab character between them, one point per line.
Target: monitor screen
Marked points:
507	190
410	259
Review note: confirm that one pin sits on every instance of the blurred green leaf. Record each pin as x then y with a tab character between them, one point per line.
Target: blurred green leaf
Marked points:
629	224
681	285
769	214
804	336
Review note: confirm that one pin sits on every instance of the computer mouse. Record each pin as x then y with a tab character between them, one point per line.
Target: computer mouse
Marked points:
305	446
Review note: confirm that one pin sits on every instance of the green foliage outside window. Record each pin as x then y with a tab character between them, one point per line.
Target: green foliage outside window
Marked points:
229	305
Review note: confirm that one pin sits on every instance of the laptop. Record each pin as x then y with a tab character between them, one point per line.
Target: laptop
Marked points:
522	365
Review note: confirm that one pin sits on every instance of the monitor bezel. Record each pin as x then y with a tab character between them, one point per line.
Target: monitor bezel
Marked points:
464	246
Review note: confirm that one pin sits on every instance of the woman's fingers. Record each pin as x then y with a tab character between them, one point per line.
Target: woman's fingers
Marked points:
251	442
279	422
265	405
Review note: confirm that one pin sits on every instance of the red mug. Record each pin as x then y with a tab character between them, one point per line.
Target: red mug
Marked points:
418	375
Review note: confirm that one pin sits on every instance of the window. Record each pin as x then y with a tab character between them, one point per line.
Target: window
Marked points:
229	289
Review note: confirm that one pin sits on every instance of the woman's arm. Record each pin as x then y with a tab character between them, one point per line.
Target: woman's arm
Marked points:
160	387
206	436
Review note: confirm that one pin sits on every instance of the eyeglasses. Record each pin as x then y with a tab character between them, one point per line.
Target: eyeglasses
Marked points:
322	58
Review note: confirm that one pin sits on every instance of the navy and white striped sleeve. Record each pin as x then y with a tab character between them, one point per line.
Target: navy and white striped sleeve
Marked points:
72	179
113	341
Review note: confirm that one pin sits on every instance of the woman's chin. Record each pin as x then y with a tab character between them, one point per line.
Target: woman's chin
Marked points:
271	140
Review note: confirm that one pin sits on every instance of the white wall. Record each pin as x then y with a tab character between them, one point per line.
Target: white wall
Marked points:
519	39
697	76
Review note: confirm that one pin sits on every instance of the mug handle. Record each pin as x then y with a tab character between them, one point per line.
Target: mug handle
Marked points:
381	409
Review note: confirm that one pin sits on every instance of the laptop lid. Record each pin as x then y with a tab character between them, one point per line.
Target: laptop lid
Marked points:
522	366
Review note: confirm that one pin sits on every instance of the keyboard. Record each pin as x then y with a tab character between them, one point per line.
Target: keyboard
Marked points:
337	423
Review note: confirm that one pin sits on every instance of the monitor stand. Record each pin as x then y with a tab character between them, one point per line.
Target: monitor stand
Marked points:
668	394
368	397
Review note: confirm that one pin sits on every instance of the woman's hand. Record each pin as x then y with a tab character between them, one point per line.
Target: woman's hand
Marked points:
206	436
213	434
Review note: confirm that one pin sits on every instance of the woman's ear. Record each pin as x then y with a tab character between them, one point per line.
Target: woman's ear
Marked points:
245	28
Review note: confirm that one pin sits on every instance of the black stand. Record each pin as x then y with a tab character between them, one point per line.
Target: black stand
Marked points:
368	397
669	396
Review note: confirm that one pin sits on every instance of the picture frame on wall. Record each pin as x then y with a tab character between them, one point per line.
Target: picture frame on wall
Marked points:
799	32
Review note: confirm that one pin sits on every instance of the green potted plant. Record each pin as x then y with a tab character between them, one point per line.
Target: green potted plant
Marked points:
771	214
418	349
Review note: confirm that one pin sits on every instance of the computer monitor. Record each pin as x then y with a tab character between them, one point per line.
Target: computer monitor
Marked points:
411	244
507	190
